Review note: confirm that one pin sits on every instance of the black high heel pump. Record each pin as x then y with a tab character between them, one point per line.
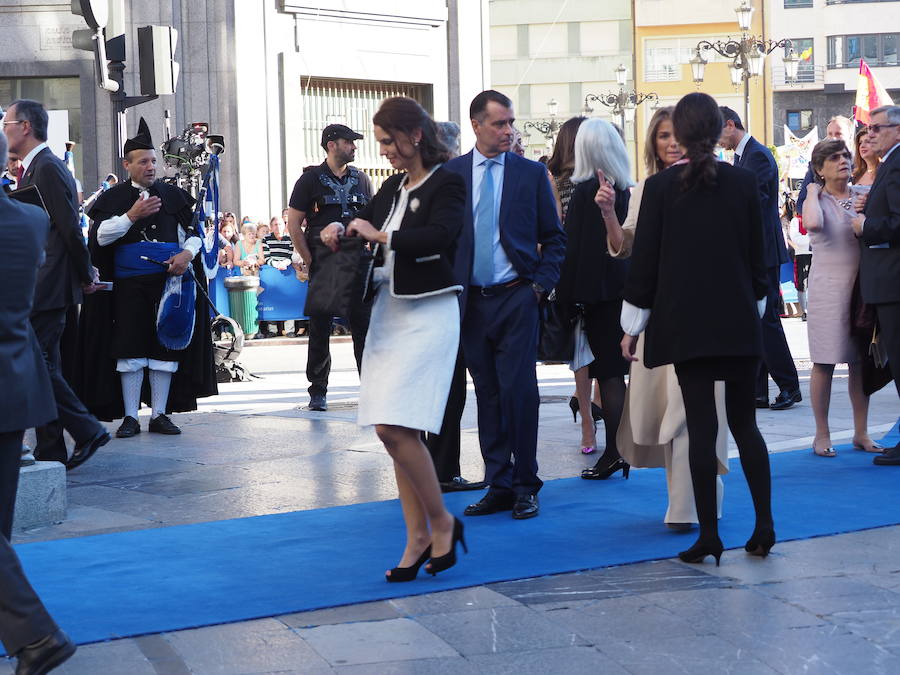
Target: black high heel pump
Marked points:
448	560
701	549
409	573
596	411
761	541
602	471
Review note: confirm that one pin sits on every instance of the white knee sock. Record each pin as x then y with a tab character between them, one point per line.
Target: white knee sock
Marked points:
131	391
159	391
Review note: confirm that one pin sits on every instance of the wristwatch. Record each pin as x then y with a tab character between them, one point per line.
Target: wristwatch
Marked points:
540	290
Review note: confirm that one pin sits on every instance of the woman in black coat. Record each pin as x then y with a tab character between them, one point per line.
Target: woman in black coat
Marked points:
413	338
684	260
593	280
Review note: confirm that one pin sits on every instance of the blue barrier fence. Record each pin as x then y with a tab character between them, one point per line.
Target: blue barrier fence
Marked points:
282	298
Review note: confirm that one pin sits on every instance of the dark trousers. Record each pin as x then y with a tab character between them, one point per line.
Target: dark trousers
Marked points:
777	359
445	446
889	325
499	336
72	415
697	382
23	619
318	354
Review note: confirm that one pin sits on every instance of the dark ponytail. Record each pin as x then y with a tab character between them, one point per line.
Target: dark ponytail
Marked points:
697	122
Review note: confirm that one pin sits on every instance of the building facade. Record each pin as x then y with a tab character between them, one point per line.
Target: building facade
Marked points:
666	35
266	74
831	36
544	52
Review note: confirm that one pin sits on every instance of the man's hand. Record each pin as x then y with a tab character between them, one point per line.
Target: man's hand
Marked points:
330	235
143	208
859	201
179	262
87	289
629	346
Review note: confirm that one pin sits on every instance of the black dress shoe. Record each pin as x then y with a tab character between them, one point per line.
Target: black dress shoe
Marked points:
890	457
786	399
460	484
526	506
318	402
128	428
762	402
163	425
492	502
84	451
45	654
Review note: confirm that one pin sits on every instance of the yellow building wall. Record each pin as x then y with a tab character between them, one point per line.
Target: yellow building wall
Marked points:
716	79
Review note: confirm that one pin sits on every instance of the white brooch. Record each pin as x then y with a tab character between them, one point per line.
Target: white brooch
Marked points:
414	204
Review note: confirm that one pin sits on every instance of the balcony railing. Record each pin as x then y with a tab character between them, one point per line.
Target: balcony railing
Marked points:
792	4
805	75
846	2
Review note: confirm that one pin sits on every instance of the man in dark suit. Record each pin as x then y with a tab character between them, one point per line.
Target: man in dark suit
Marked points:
64	276
879	236
508	257
752	155
27	631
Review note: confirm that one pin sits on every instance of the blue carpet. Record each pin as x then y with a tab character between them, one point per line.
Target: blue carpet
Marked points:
150	581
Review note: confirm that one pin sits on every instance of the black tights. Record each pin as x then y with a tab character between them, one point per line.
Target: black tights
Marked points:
697	382
612	393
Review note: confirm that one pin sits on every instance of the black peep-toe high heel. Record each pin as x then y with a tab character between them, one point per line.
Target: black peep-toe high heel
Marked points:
448	560
409	573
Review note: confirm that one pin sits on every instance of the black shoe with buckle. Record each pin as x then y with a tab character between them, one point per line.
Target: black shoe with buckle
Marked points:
526	506
163	425
128	428
84	451
786	399
460	484
44	655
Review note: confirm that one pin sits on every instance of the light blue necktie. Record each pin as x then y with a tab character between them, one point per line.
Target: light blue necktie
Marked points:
483	269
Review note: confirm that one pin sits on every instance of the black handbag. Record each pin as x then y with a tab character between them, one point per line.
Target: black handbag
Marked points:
557	337
335	278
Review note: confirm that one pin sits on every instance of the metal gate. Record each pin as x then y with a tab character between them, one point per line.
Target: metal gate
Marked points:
351	102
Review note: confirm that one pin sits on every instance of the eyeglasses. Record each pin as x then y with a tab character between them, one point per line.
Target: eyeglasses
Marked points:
875	128
5	122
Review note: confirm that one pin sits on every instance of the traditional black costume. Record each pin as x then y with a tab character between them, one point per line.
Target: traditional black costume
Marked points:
119	330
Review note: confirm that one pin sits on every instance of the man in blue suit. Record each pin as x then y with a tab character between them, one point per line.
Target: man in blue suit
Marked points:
508	257
752	155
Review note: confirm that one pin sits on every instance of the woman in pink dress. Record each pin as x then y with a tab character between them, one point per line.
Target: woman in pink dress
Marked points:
827	216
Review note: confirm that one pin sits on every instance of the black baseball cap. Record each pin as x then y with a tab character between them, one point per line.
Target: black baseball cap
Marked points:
335	131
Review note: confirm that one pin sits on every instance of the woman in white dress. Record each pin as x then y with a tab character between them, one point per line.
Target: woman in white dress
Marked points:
653	430
413	223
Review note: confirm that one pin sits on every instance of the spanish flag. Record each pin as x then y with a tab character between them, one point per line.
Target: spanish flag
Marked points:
870	94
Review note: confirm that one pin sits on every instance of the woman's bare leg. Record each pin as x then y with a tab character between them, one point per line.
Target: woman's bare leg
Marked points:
859	403
820	394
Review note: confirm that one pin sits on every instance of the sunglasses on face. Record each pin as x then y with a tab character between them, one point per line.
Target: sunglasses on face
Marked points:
875	128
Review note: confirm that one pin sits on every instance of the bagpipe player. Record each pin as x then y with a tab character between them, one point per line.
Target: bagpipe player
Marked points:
155	319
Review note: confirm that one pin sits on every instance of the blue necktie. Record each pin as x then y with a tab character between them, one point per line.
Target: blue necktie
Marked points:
483	269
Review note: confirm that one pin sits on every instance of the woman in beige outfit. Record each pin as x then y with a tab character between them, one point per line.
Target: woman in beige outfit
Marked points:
653	430
827	215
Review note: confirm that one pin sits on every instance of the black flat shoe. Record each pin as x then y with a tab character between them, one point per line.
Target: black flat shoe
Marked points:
761	541
701	549
318	402
448	560
786	399
460	484
492	502
44	655
526	506
762	402
605	469
128	428
399	574
84	451
163	425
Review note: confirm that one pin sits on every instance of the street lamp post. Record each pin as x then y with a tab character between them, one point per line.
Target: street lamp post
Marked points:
747	53
547	128
622	101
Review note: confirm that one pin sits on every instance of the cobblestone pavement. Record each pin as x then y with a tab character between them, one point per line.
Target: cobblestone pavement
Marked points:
825	605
